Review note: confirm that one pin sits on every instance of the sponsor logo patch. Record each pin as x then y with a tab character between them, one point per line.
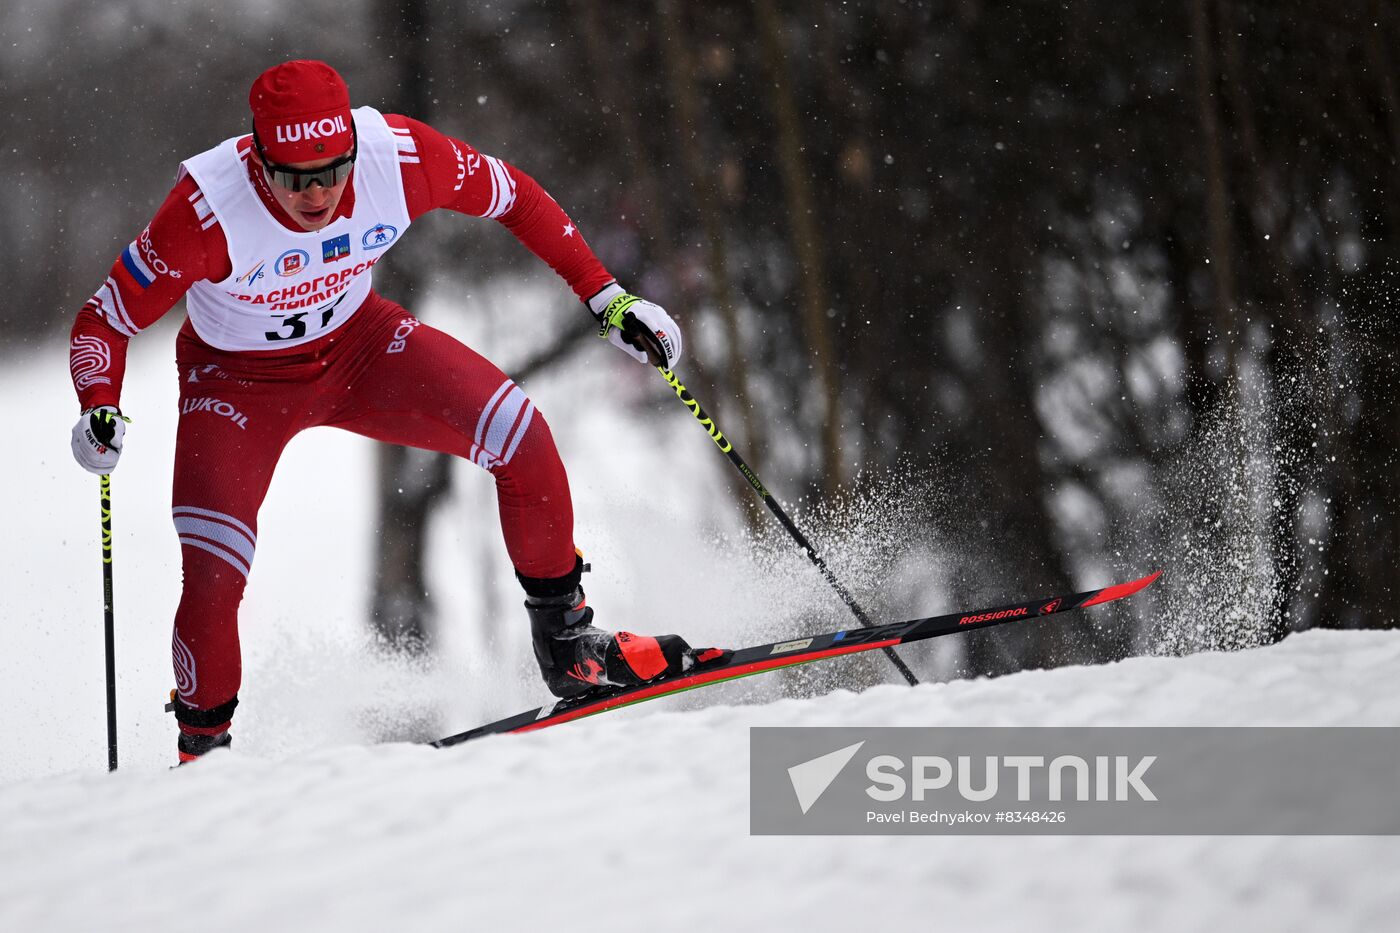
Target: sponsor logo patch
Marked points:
143	263
214	406
153	260
461	168
990	616
311	129
407	326
211	370
378	236
252	275
335	248
791	646
292	262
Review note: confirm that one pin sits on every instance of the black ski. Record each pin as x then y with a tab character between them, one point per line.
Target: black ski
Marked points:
756	660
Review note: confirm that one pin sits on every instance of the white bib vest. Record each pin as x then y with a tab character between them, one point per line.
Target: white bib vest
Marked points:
290	287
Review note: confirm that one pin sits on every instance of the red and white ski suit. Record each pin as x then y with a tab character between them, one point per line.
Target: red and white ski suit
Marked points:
299	340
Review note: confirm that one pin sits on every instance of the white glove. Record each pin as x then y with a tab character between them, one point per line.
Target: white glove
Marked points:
642	330
97	439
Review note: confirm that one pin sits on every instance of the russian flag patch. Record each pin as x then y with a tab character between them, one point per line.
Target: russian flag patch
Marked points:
134	264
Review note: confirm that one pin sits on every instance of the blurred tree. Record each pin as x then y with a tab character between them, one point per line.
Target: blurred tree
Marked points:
412	484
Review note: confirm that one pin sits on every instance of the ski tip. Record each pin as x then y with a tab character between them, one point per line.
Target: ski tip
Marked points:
1110	593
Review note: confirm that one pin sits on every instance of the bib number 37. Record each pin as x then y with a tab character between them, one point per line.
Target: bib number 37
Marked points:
293	326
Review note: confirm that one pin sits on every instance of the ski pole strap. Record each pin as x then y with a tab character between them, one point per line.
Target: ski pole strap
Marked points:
612	313
109	415
104	423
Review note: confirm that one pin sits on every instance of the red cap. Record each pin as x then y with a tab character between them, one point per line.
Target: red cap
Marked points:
301	112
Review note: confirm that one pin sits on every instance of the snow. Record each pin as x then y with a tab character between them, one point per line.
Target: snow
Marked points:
637	819
641	821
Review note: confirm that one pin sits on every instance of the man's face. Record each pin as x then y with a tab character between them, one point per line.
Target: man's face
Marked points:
313	207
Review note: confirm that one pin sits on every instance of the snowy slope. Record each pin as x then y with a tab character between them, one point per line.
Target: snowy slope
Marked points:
639	820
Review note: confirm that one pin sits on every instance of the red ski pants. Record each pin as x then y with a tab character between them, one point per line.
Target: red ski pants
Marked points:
384	375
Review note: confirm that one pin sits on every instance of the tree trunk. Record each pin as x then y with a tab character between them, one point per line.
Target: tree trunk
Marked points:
705	195
1217	196
411	483
625	133
1019	550
807	242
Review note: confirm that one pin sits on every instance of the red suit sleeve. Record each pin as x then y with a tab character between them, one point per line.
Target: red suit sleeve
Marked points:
440	171
150	275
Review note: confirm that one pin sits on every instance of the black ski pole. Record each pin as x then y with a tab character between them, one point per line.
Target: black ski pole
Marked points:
728	450
110	621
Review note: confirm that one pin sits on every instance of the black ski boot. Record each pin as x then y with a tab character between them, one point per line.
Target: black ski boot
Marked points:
192	747
575	656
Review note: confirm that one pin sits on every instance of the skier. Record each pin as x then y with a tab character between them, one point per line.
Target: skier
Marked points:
271	238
